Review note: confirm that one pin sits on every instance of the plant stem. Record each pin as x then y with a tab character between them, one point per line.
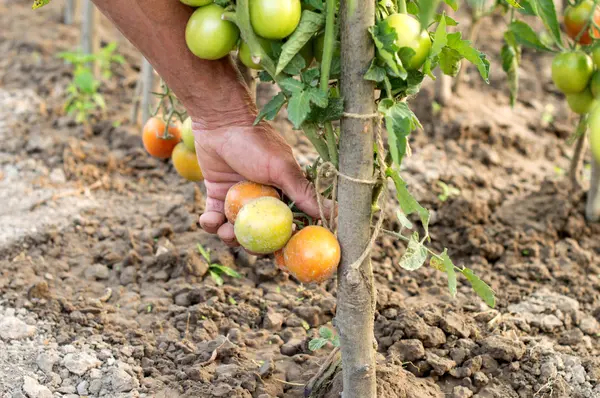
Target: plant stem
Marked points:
311	132
472	37
332	146
356	290
592	207
328	44
576	160
402	6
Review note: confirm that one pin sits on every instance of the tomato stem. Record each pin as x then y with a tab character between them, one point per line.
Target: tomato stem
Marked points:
328	44
311	132
402	6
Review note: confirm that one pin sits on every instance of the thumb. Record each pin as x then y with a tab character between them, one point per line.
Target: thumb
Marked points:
302	192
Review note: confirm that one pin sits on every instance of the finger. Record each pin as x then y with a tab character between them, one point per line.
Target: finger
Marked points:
227	235
211	221
212	204
303	193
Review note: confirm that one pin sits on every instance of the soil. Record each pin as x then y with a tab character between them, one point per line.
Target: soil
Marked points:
104	293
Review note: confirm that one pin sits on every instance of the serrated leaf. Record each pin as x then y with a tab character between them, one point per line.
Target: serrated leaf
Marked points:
310	24
317	97
404	221
271	109
317	4
216	277
408	203
291	85
426	12
526	36
333	111
336	341
409	86
477	58
298	108
325	333
295	66
415	255
317	344
450	61
547	12
449	269
384	37
482	289
226	270
400	121
449	20
85	81
440	38
264	77
311	76
375	73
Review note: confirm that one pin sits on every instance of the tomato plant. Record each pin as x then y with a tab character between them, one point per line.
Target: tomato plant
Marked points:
410	36
187	134
208	36
264	225
571	71
242	193
577	21
312	255
275	19
581	103
185	163
157	142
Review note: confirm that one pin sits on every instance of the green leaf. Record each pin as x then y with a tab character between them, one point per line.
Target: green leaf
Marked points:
310	24
85	81
222	269
384	37
336	341
404	221
527	8
325	333
333	111
452	3
481	288
291	85
477	58
547	12
264	77
295	66
409	86
317	344
426	12
317	97
271	109
440	38
298	108
222	3
415	255
99	100
449	21
317	4
311	76
408	203
204	252
39	3
510	65
400	121
375	73
514	4
450	61
449	269
526	36
216	277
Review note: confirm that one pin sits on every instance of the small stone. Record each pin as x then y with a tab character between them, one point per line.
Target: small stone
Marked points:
57	176
67	389
480	379
46	360
571	337
272	320
439	364
128	275
309	313
550	323
121	381
407	350
589	325
503	348
80	363
95	386
461	392
471	366
12	328
452	323
82	388
292	347
95	374
97	272
33	389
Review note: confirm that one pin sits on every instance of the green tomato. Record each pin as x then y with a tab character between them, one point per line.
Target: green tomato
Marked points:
264	225
196	3
319	45
594	125
245	56
275	19
582	102
571	71
596	57
208	36
187	135
595	84
409	33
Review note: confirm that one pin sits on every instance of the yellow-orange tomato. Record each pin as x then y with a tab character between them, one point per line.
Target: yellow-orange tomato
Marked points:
186	164
242	193
280	260
312	254
155	142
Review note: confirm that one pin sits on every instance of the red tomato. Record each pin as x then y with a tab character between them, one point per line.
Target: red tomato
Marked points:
312	254
155	142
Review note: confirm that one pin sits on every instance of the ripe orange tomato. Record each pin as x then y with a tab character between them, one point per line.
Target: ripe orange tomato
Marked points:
576	18
186	164
154	140
242	193
312	254
280	260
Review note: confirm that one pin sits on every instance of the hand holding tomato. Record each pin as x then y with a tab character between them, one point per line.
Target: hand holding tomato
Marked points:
234	153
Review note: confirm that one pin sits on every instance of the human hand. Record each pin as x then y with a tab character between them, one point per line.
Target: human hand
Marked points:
231	154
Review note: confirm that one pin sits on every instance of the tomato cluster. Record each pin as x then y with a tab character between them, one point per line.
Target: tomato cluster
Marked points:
176	143
264	224
210	37
576	22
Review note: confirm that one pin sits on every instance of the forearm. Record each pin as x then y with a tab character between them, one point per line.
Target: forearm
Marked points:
207	89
